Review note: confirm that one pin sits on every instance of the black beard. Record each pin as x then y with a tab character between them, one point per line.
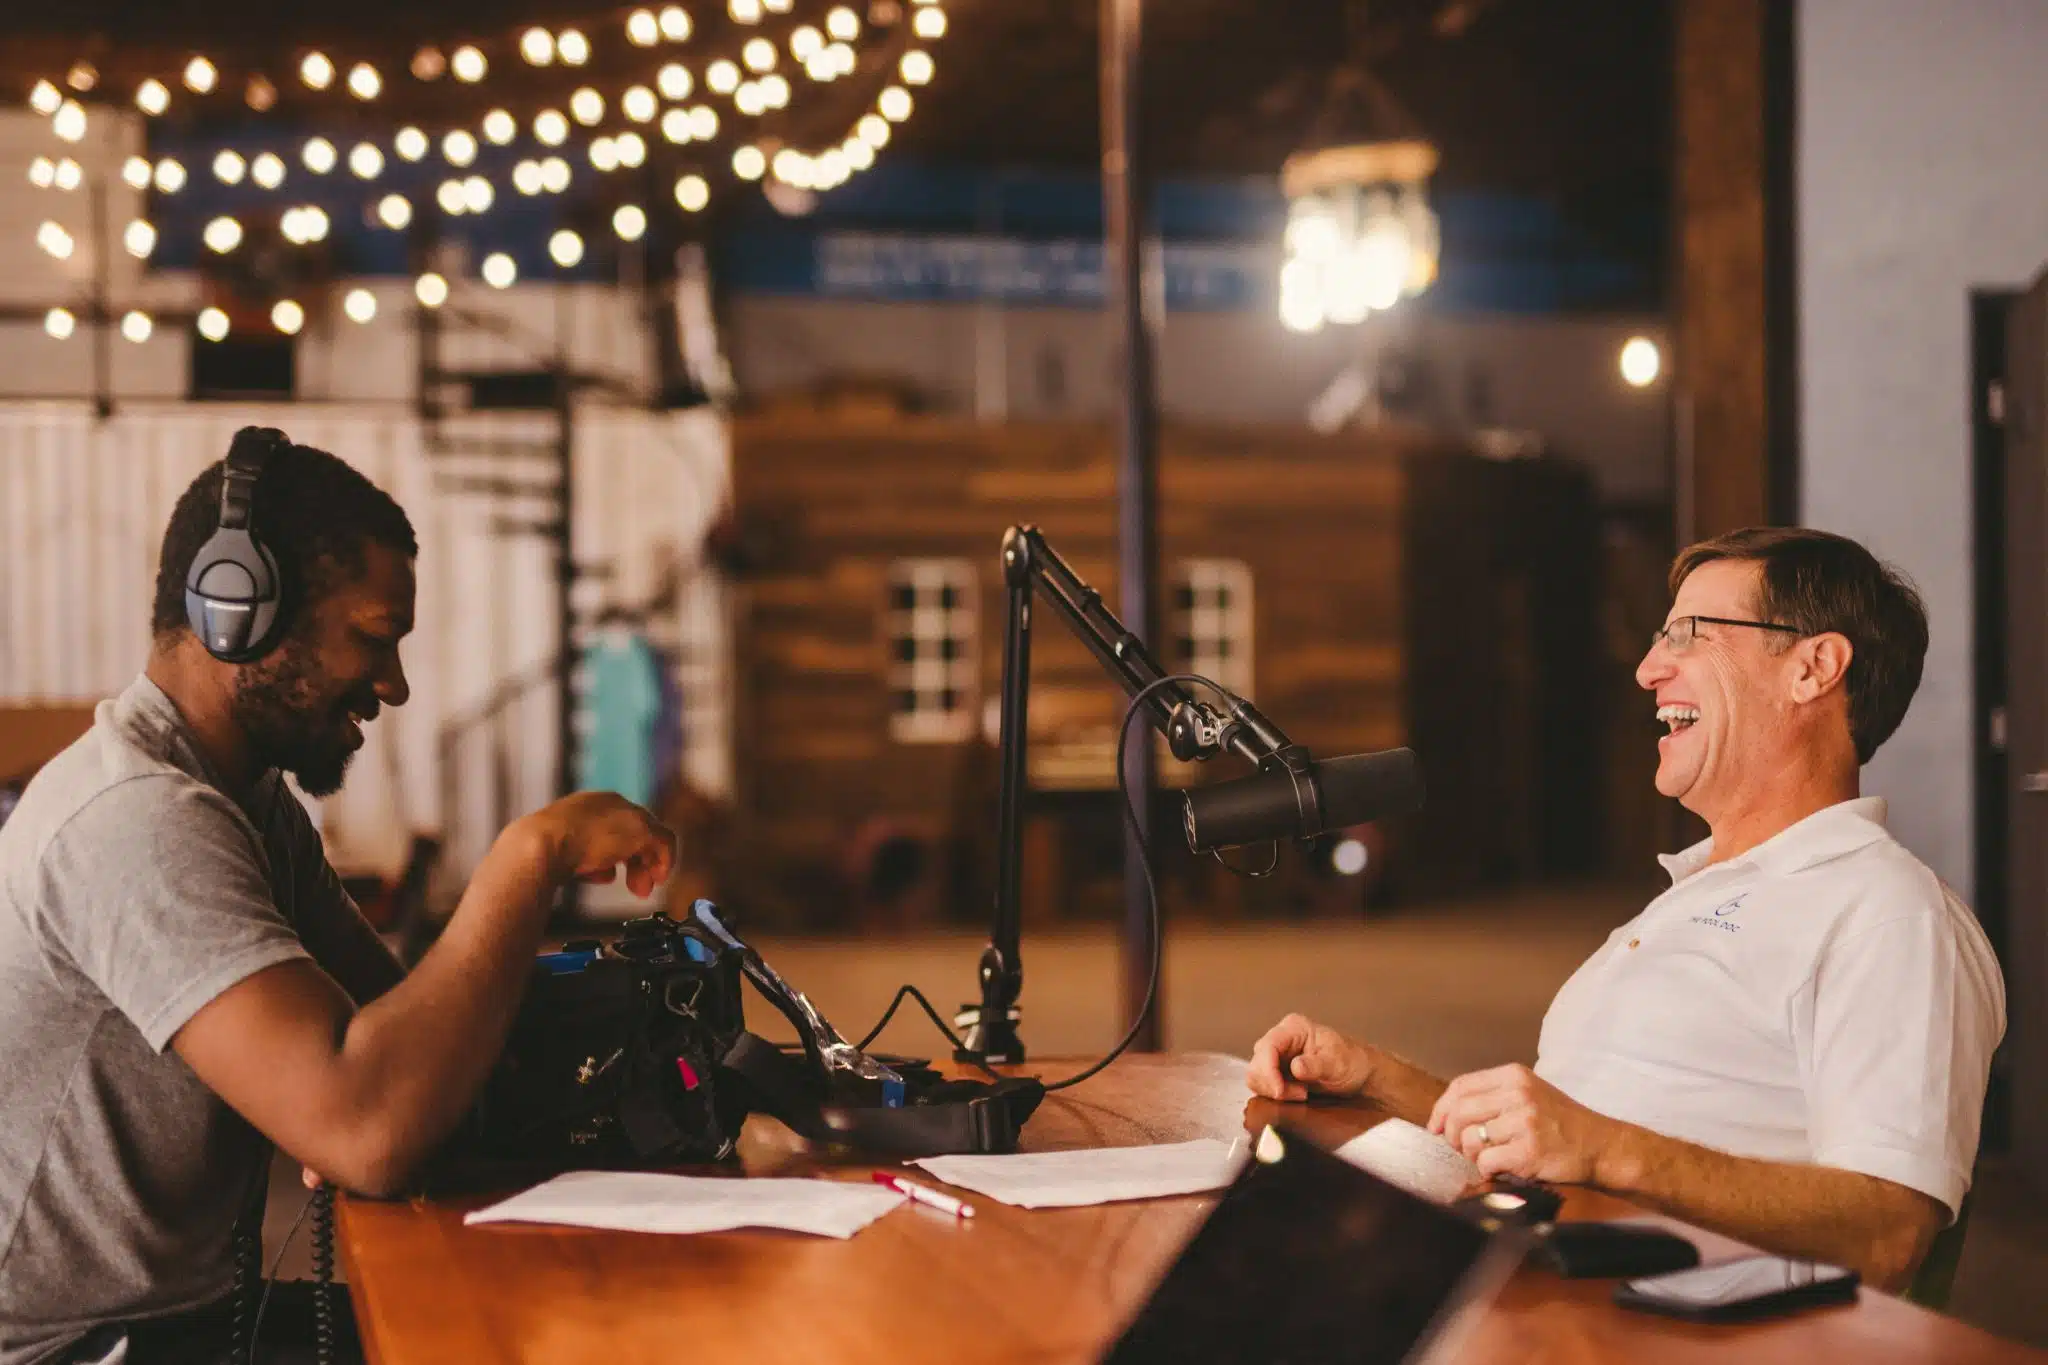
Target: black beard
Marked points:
279	706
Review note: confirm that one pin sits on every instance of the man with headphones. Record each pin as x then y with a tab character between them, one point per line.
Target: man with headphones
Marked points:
183	981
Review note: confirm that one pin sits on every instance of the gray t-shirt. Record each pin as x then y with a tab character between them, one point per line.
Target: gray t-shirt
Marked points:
133	891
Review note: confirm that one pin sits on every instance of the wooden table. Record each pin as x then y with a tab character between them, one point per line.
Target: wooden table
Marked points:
1011	1285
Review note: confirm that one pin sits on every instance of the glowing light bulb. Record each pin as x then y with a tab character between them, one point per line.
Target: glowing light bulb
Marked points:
587	106
675	23
428	64
722	76
394	211
630	222
537	45
52	238
703	123
228	167
319	156
267	170
68	122
360	305
477	194
431	290
449	197
316	71
917	67
566	248
59	323
364	82
46	99
744	11
792	167
170	176
692	193
135	173
554	175
459	147
82	76
498	270
67	175
260	93
366	161
468	65
526	177
843	24
1641	362
632	149
641	28
639	104
604	156
821	65
213	324
500	127
894	104
139	239
774	91
42	173
674	81
675	125
200	76
551	127
749	100
410	144
136	326
749	163
222	235
572	47
758	54
287	317
859	155
929	22
313	223
152	96
805	43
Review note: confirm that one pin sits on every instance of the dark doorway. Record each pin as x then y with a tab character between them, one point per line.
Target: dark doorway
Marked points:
1988	312
2019	819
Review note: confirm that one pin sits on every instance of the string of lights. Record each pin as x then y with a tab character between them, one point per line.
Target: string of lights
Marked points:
676	100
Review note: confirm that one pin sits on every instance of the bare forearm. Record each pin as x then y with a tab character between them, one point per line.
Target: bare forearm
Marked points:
1808	1212
416	1056
1402	1088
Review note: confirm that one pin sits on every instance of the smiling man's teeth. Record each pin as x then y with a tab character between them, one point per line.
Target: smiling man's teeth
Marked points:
1678	717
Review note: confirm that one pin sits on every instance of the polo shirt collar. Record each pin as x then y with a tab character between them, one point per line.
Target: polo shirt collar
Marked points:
1828	833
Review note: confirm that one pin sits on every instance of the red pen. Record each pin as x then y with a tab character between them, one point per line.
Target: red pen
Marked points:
918	1194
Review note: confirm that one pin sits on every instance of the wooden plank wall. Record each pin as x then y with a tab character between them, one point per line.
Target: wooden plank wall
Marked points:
826	504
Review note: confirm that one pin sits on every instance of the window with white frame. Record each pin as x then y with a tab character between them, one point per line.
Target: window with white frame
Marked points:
933	666
1210	621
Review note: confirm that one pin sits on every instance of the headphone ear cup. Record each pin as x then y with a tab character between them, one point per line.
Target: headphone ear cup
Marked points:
232	596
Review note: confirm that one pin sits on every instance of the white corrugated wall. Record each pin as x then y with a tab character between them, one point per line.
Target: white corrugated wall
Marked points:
83	504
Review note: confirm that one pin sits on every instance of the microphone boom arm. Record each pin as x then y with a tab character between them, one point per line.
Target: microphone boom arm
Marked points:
1193	730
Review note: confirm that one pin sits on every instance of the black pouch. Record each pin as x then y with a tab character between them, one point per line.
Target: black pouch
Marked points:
1581	1251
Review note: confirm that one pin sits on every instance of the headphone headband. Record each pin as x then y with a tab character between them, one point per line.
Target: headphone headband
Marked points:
247	455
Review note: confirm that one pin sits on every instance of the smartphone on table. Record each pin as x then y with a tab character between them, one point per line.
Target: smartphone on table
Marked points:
1739	1290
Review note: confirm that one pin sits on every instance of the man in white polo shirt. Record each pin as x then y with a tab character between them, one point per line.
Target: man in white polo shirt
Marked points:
1791	1045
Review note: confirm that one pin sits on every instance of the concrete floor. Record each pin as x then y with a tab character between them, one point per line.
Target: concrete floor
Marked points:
1453	987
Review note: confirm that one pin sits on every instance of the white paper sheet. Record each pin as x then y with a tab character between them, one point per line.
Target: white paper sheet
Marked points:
1101	1175
637	1202
1412	1158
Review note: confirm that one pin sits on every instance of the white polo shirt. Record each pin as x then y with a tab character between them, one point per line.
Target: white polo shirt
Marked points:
1823	998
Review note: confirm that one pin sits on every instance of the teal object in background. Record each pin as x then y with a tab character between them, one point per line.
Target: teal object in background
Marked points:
617	754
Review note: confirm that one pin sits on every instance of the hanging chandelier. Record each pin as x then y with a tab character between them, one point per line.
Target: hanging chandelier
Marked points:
1361	235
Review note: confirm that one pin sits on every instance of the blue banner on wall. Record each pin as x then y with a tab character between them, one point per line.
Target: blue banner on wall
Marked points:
1070	273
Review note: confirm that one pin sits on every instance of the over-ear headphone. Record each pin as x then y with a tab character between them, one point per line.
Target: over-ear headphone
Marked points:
233	591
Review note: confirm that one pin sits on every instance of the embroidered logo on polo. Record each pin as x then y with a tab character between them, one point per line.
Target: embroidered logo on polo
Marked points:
1718	918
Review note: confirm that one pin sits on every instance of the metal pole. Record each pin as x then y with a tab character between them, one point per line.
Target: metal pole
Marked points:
102	307
1136	302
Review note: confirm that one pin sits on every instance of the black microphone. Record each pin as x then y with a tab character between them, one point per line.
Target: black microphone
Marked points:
1301	802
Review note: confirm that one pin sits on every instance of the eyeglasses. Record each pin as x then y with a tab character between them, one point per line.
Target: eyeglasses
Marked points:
1679	634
